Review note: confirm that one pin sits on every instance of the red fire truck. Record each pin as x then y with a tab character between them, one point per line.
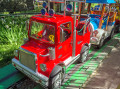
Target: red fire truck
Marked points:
54	43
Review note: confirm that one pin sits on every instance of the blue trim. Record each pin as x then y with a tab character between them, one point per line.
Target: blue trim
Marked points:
111	23
101	1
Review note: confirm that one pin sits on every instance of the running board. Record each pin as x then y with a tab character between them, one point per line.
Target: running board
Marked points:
71	60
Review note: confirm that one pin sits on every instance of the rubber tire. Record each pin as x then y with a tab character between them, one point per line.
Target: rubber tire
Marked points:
55	77
101	43
117	29
111	34
84	51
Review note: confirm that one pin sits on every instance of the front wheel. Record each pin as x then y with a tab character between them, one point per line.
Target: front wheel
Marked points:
117	29
111	34
84	54
55	80
101	42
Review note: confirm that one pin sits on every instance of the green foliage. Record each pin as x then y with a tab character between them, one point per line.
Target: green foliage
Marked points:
12	32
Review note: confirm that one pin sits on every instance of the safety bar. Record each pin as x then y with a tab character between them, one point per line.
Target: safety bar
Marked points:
87	16
57	1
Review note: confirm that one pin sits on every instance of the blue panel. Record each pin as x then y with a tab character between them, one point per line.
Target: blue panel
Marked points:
95	16
95	19
100	1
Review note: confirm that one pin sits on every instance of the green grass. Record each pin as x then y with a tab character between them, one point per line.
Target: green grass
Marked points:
12	32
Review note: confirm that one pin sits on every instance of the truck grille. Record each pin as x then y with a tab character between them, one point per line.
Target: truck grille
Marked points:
27	59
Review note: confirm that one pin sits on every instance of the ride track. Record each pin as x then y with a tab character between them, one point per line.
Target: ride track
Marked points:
77	75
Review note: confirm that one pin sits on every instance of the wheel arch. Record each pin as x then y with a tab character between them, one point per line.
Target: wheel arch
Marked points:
84	44
57	68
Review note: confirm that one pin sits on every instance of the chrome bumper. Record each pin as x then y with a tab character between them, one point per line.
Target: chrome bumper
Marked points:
37	77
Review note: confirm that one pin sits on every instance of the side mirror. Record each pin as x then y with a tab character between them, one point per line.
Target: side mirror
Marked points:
27	24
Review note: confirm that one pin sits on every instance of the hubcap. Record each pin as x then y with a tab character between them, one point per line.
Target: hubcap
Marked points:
101	42
58	81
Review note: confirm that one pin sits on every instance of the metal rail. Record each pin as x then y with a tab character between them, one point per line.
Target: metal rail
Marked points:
22	14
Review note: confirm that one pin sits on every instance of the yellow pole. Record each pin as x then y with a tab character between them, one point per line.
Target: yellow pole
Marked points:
102	14
108	16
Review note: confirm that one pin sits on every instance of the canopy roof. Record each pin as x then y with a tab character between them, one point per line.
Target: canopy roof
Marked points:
101	1
86	1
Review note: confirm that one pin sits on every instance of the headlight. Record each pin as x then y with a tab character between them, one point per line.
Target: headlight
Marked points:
16	53
43	67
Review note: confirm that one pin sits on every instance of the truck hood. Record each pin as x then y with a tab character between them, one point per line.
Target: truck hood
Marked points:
35	47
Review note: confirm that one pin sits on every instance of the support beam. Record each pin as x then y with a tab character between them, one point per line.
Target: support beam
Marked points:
74	7
102	14
89	5
64	7
108	16
54	6
48	5
80	9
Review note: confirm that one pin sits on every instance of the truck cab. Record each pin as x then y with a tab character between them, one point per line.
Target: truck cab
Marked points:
54	43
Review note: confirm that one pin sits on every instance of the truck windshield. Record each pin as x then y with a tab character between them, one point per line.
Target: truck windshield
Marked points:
43	32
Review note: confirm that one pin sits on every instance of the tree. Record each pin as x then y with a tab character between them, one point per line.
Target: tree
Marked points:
16	5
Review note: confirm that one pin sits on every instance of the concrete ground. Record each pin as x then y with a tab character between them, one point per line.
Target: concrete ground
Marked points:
108	74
